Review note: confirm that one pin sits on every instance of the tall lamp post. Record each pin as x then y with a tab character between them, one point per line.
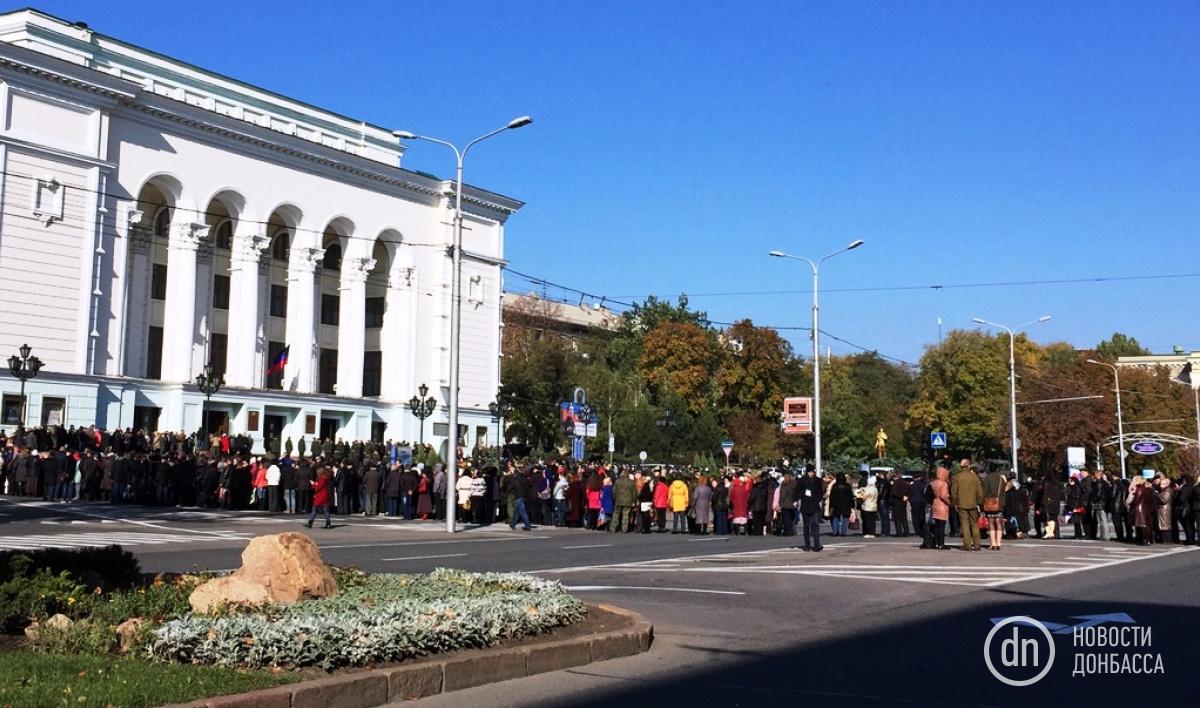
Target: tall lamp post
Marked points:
422	407
1012	378
500	408
24	367
666	421
1120	424
816	338
209	382
456	300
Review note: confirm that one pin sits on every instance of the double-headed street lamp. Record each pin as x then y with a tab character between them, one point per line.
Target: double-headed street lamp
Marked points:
1012	377
209	382
422	407
456	299
24	367
1120	424
816	339
500	408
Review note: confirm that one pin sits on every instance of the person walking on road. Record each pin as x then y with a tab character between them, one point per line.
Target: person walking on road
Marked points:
519	488
811	492
321	497
966	494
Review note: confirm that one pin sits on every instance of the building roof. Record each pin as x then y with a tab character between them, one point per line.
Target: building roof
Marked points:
580	316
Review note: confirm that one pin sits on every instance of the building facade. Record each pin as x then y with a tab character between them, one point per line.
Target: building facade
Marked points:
157	217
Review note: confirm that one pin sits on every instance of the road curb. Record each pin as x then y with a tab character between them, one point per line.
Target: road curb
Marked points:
433	675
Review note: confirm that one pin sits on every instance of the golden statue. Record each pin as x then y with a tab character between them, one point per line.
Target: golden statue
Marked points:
881	439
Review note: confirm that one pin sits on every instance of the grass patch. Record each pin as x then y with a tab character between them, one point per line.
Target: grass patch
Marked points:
34	679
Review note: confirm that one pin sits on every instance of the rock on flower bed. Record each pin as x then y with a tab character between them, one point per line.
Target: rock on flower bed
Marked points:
381	618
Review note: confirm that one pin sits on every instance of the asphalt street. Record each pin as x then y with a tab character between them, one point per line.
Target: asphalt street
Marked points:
756	621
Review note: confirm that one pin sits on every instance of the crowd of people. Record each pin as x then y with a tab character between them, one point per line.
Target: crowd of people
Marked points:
370	478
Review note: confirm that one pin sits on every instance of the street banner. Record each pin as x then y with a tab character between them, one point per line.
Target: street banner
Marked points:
1076	459
797	415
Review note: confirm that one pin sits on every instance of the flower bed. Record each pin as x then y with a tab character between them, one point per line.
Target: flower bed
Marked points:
373	619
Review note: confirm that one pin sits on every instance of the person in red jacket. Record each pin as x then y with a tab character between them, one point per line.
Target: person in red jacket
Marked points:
661	498
739	504
321	497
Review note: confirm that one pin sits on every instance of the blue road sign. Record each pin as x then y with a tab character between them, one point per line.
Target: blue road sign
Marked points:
937	441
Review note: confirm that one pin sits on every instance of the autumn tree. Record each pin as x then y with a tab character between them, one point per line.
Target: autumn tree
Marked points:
681	358
757	371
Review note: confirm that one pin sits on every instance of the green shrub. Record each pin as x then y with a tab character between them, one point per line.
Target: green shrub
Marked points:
108	568
385	618
31	593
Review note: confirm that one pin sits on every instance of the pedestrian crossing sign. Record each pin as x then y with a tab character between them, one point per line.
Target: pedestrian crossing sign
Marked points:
937	441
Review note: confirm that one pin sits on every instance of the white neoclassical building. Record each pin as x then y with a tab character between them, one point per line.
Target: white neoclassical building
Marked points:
157	217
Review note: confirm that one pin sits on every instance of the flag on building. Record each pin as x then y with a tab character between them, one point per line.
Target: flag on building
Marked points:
279	362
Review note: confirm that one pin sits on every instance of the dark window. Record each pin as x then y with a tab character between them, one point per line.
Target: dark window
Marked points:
162	223
218	351
279	301
275	380
145	418
333	257
281	246
328	371
372	373
221	292
329	309
158	281
224	236
374	312
154	344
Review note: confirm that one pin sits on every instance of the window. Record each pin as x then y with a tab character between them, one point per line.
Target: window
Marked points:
274	380
154	344
162	222
372	373
158	281
10	410
145	418
374	312
221	292
328	371
224	235
54	411
333	257
48	199
218	352
279	301
281	246
329	309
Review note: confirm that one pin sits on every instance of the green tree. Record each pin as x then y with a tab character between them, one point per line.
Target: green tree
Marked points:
757	371
860	394
1119	345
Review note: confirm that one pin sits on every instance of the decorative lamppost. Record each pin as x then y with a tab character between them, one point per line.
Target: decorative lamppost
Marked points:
209	382
500	408
666	421
422	407
456	299
24	367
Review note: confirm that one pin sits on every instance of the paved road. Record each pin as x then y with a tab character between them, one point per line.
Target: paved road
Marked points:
743	621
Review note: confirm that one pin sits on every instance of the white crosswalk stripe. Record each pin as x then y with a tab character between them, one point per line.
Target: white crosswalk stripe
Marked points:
108	538
948	573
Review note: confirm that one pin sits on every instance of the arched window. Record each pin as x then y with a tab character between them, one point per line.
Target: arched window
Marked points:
280	246
333	257
162	222
224	235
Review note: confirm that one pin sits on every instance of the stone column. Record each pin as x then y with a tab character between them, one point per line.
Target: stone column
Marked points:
179	320
301	334
249	242
352	330
398	337
134	306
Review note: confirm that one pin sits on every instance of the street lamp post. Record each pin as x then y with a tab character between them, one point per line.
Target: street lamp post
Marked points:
666	421
422	407
209	383
456	300
24	367
816	339
500	408
1012	379
1120	424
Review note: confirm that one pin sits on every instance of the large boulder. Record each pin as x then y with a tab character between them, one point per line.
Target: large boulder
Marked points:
278	569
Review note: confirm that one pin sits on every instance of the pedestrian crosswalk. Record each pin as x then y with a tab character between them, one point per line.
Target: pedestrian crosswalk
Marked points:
108	538
950	568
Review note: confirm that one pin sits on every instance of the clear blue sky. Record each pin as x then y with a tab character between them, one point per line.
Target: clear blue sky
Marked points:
676	143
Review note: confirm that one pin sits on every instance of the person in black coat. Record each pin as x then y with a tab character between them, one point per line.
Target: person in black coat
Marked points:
841	502
760	495
916	503
811	494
